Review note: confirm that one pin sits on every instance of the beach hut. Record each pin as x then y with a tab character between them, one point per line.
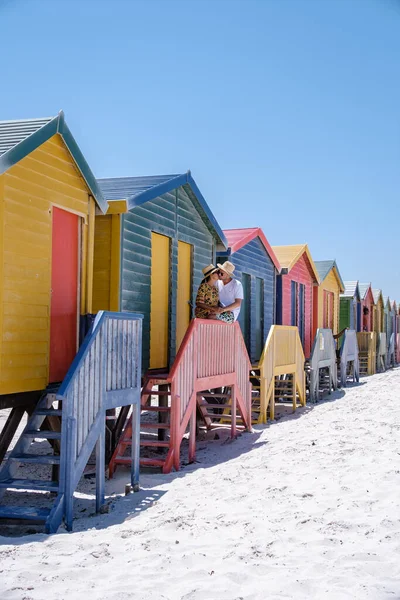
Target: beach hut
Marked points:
256	266
327	296
48	198
387	317
294	299
350	307
367	306
378	311
149	252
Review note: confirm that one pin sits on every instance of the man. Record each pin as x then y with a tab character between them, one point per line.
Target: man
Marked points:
230	289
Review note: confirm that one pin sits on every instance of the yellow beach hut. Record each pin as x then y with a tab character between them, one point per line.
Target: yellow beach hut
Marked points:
327	296
48	198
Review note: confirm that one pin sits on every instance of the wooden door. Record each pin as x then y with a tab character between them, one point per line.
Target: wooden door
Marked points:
301	312
244	315
159	300
64	293
184	292
259	317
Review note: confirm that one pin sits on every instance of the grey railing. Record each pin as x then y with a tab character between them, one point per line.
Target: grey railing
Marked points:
323	355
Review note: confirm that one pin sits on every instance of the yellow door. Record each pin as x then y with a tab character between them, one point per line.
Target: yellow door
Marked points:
183	309
159	301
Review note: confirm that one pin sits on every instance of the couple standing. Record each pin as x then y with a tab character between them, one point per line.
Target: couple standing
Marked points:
219	295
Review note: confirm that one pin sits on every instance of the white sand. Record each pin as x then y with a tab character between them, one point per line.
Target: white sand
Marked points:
305	508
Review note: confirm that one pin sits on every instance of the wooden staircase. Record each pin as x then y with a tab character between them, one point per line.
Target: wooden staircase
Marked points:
104	374
280	376
217	410
363	361
155	429
212	355
46	509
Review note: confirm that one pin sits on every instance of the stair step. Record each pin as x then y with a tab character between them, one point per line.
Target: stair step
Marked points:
227	417
40	459
53	412
210	395
48	435
161	409
208	405
24	513
155	426
152	462
156	393
149	443
30	484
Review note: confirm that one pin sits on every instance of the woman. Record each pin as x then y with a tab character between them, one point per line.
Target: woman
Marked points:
207	299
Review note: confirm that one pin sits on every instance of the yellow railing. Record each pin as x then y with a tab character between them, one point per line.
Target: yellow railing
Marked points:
367	342
282	355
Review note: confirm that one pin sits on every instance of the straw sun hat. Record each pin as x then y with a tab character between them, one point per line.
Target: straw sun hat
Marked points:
227	267
209	270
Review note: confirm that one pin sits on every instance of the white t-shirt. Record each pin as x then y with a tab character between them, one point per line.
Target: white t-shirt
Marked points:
229	293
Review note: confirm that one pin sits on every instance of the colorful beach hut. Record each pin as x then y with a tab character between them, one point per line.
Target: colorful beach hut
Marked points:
149	252
350	307
294	299
48	198
378	311
367	307
327	296
256	266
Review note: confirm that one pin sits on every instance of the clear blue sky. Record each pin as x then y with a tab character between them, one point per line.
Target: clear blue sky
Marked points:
286	111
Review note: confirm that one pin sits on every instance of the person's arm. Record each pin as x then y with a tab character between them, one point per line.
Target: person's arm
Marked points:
236	304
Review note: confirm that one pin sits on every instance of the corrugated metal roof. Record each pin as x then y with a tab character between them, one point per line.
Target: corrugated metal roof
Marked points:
21	137
364	287
14	132
324	267
237	238
124	188
289	255
350	289
376	293
138	190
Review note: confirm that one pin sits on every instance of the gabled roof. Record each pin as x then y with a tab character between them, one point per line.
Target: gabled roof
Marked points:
324	267
289	255
364	287
20	138
138	190
376	293
386	300
351	289
237	238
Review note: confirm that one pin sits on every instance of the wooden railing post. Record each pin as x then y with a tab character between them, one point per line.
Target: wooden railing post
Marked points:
70	471
176	428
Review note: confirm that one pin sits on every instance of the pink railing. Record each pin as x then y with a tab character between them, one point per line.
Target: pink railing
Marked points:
212	354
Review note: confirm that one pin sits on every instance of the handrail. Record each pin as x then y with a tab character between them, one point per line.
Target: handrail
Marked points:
106	372
282	354
323	355
391	358
212	354
349	353
367	343
398	347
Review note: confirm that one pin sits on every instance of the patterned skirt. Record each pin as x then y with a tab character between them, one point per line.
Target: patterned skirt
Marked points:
226	316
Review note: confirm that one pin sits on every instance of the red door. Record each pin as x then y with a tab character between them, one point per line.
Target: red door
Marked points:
64	293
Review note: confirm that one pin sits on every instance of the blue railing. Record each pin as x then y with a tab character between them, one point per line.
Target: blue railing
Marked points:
105	373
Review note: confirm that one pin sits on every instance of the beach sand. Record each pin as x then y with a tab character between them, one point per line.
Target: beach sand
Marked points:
305	508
